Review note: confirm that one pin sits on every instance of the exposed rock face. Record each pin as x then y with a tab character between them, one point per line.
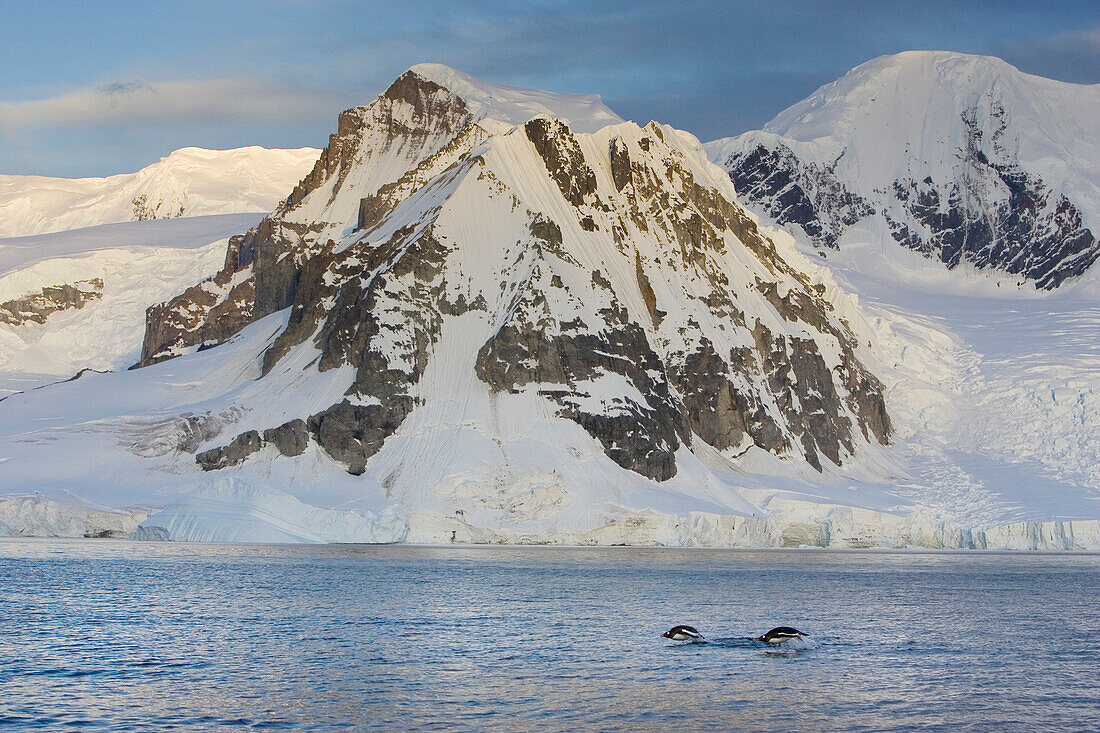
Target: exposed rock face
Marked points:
720	412
290	438
37	307
961	158
1027	230
351	434
1023	228
563	158
408	130
796	193
992	215
534	348
607	279
207	313
233	454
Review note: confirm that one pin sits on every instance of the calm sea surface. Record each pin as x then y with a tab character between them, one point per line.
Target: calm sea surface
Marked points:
136	636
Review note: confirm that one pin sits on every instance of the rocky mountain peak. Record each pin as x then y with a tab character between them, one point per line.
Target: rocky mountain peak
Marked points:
601	290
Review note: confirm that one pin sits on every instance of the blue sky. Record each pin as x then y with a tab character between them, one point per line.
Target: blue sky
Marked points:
95	88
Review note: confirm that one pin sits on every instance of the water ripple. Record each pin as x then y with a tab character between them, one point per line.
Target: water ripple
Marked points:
127	636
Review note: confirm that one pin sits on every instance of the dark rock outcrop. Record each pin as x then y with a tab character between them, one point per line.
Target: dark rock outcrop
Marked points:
1029	231
351	434
233	454
37	307
534	348
795	193
719	411
207	313
563	158
290	438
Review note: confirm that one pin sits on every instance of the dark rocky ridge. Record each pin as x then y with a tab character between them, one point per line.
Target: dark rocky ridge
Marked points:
794	193
563	158
1030	232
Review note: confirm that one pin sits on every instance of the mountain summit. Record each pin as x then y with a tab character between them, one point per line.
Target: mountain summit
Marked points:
499	315
962	158
514	106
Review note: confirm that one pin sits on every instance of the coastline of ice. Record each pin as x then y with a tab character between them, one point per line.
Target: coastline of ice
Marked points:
232	510
818	526
36	515
228	509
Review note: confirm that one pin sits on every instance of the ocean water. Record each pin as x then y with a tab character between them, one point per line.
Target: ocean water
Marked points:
147	636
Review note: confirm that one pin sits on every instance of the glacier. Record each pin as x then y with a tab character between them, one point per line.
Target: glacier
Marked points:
991	386
65	514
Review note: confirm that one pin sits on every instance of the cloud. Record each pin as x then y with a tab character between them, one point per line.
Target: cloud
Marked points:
1073	56
205	101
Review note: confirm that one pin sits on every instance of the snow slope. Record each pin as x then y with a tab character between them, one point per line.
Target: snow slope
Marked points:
992	395
512	106
137	264
188	182
961	157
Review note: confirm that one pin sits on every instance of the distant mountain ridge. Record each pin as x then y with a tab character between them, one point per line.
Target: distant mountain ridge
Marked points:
187	182
962	158
490	314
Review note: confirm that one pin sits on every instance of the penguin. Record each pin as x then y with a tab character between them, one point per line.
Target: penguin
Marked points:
780	634
683	633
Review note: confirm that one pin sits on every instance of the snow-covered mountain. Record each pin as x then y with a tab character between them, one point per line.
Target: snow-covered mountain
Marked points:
76	300
500	315
188	182
962	158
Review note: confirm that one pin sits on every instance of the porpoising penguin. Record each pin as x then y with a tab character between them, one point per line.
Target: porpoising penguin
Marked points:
683	633
780	634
